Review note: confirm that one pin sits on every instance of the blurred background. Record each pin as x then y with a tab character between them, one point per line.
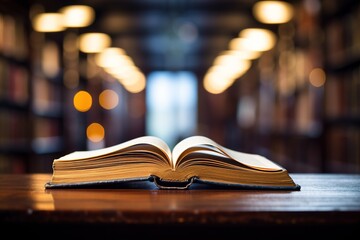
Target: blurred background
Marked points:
277	78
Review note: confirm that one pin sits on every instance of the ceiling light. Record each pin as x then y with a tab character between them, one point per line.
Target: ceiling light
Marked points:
273	12
77	15
258	39
94	42
111	57
239	47
48	22
232	60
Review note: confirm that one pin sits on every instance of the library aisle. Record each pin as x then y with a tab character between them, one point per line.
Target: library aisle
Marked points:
81	75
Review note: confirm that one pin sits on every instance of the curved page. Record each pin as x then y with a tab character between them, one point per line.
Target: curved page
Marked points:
252	160
150	140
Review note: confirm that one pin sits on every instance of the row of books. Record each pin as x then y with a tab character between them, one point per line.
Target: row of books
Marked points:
14	134
46	96
30	102
46	136
342	95
343	152
343	38
14	82
302	124
342	88
12	163
48	106
15	92
297	154
13	37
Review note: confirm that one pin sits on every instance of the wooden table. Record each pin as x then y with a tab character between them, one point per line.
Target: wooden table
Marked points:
327	204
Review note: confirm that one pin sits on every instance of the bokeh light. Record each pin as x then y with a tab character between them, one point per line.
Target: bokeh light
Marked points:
95	132
82	101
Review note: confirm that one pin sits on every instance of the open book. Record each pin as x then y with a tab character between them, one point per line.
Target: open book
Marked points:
194	159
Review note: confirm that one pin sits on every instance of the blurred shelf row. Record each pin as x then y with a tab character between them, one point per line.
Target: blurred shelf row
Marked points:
301	105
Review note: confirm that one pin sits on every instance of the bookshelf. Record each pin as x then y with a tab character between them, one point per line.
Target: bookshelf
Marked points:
15	73
297	128
299	104
342	89
278	110
316	125
47	101
30	93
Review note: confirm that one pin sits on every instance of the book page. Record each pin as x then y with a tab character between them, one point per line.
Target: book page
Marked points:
251	160
149	140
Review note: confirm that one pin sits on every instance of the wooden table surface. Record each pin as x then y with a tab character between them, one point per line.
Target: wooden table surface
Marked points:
330	201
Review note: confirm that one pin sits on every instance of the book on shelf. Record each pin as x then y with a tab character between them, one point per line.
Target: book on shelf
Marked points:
194	160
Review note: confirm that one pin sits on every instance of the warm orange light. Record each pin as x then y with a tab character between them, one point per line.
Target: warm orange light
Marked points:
234	61
50	59
95	132
273	12
94	42
108	99
258	39
317	77
112	58
215	82
122	72
82	101
135	82
77	15
48	22
241	52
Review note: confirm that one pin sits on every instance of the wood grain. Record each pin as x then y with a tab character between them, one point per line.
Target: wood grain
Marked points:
325	200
